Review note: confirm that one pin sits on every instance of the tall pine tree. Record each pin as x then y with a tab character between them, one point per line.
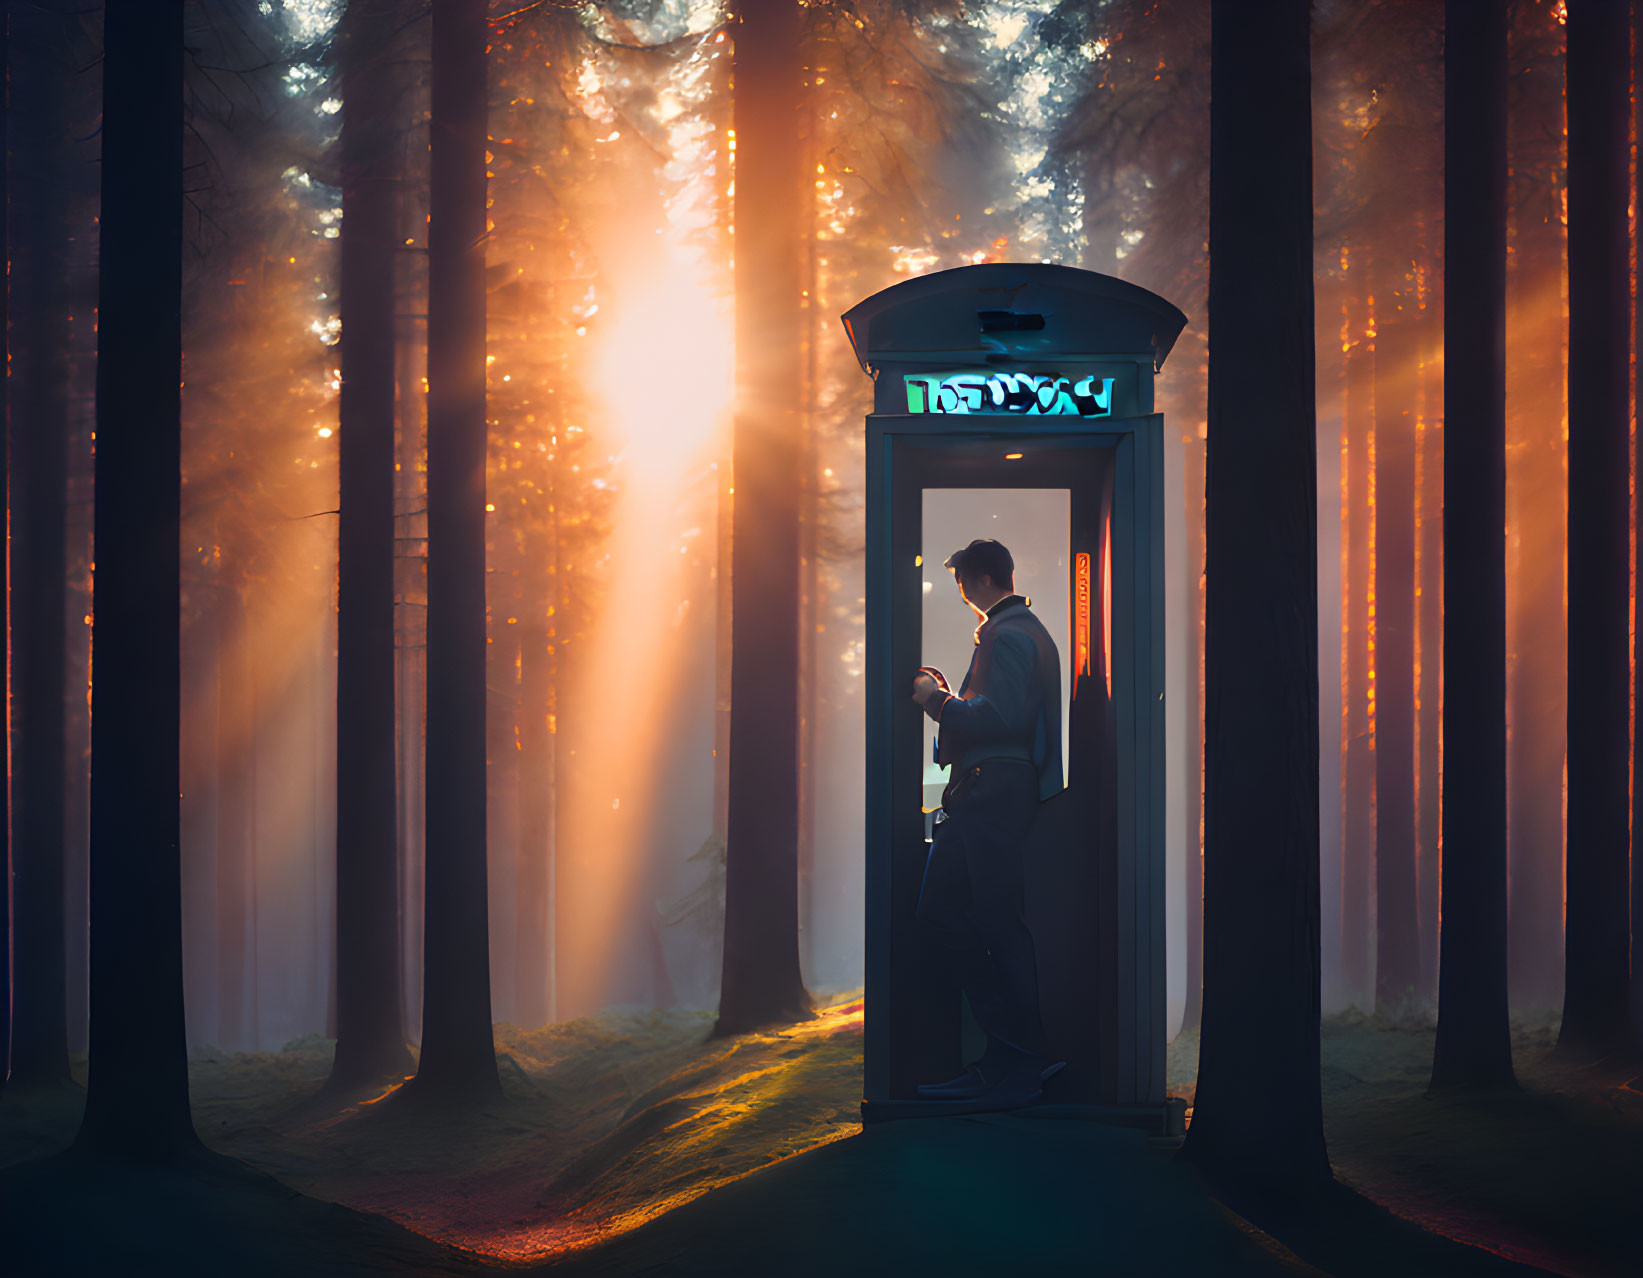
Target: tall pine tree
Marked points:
38	439
137	1091
370	1039
1259	1117
762	982
1474	1041
1596	936
458	1052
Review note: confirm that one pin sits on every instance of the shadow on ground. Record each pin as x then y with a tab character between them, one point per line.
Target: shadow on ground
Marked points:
633	1144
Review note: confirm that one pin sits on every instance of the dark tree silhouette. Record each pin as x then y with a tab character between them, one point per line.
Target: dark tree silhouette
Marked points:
1596	936
370	1038
1636	989
5	497
762	982
1474	1045
1259	1116
137	1093
39	420
458	1052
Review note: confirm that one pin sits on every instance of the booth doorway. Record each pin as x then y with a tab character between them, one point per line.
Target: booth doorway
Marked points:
1054	494
1033	524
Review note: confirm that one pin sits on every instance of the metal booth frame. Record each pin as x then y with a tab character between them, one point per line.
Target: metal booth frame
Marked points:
1075	328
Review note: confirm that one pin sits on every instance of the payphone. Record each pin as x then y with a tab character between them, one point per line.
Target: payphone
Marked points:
1023	393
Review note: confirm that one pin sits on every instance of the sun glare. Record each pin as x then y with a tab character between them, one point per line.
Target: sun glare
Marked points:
659	372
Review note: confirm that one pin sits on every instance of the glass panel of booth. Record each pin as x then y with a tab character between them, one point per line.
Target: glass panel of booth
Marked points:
1034	524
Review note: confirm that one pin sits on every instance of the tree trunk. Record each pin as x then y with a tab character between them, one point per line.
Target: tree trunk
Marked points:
761	980
1474	1046
809	678
1333	336
809	544
662	994
1636	988
1597	937
197	766
236	753
1331	616
502	660
554	770
322	773
39	420
458	1052
411	597
535	795
1358	791
1192	453
1397	937
137	1094
724	520
1429	630
1258	1123
77	654
5	584
370	1038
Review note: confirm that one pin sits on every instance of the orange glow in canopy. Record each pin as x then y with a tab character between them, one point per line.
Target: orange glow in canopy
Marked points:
1081	618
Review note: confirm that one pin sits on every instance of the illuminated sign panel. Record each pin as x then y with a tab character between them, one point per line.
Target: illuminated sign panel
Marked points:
1081	618
1027	394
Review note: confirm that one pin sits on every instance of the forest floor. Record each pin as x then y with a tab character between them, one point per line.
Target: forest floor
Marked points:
1549	1175
627	1143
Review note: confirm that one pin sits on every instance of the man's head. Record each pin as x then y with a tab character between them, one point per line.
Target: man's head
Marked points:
985	572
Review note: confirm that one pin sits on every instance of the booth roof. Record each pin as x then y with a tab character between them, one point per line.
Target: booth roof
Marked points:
1084	313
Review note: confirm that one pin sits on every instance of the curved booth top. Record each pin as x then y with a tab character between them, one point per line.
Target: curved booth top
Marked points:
996	312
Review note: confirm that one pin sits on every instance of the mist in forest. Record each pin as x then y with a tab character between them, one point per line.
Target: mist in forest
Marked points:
936	135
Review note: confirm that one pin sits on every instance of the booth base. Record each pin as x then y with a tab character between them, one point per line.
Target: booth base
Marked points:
1166	1119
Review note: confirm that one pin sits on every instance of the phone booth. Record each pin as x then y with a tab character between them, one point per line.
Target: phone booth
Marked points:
1015	402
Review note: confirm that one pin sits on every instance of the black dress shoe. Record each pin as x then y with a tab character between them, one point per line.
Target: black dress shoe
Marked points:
1013	1091
971	1083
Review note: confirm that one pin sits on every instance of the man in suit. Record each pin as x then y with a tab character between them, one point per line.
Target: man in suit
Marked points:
1001	736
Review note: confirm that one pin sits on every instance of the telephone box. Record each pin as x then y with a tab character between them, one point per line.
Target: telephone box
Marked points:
1016	402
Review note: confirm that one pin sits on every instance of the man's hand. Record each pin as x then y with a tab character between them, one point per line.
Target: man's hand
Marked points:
926	683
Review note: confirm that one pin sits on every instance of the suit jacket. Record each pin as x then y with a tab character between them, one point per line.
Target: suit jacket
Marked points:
1009	705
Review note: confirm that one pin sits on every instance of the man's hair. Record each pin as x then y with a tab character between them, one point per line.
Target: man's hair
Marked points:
983	556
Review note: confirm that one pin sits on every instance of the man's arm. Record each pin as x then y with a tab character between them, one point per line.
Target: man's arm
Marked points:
1004	711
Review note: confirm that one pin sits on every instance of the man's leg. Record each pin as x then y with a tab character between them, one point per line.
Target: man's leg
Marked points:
1001	981
944	895
971	904
945	923
1001	975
